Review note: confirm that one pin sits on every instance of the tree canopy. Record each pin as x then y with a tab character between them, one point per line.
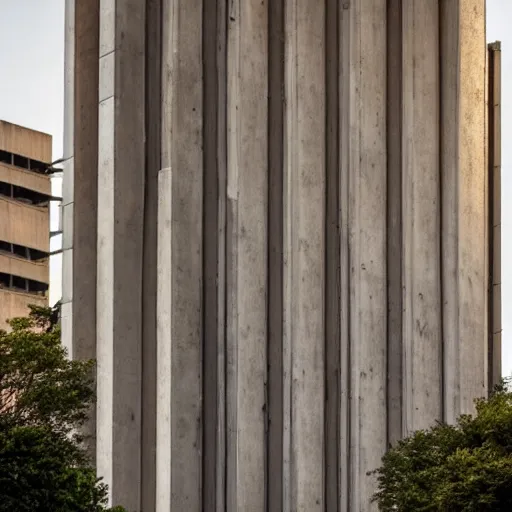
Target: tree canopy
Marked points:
44	400
466	467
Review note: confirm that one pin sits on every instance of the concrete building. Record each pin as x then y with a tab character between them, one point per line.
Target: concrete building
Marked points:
25	191
276	241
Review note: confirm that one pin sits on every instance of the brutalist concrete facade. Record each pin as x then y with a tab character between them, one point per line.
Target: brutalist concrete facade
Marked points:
275	241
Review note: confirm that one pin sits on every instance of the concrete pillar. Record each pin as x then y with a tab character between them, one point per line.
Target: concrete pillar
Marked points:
366	219
422	353
246	253
180	261
494	211
291	244
121	179
464	220
68	181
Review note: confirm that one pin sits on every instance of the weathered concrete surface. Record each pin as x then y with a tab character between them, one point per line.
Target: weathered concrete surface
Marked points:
291	256
121	172
367	178
246	253
304	220
180	275
422	333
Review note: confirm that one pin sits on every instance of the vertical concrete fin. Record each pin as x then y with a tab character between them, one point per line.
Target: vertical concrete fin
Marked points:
304	255
450	115
274	469
473	278
345	130
247	192
105	254
421	216
121	179
394	220
180	261
233	163
367	246
332	259
468	58
67	186
210	254
494	213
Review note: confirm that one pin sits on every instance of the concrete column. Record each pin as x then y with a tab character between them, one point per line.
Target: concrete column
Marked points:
367	178
246	253
464	192
303	255
422	377
494	211
68	181
180	261
121	174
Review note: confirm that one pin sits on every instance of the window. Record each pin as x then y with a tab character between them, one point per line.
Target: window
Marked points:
21	251
5	157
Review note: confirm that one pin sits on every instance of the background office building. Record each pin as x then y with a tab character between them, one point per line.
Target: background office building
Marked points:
25	193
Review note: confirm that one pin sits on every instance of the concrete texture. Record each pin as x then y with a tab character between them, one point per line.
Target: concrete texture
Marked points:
493	212
291	269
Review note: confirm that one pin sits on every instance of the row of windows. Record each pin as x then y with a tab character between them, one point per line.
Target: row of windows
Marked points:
22	251
23	195
21	284
22	161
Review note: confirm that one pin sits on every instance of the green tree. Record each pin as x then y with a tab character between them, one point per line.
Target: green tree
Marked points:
466	467
44	399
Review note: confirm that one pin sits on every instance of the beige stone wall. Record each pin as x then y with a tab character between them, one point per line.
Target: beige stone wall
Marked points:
25	178
24	224
35	270
23	141
15	304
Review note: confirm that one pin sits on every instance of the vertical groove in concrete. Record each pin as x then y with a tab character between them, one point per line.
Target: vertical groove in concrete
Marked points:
305	251
421	212
449	157
221	247
274	446
210	253
153	85
180	261
85	193
332	261
248	194
367	246
394	221
344	255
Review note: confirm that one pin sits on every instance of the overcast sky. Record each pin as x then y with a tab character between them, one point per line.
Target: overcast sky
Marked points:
31	94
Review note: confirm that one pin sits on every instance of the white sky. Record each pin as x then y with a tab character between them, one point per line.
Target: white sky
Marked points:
32	84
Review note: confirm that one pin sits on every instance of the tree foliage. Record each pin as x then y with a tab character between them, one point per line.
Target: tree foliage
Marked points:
462	468
44	399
